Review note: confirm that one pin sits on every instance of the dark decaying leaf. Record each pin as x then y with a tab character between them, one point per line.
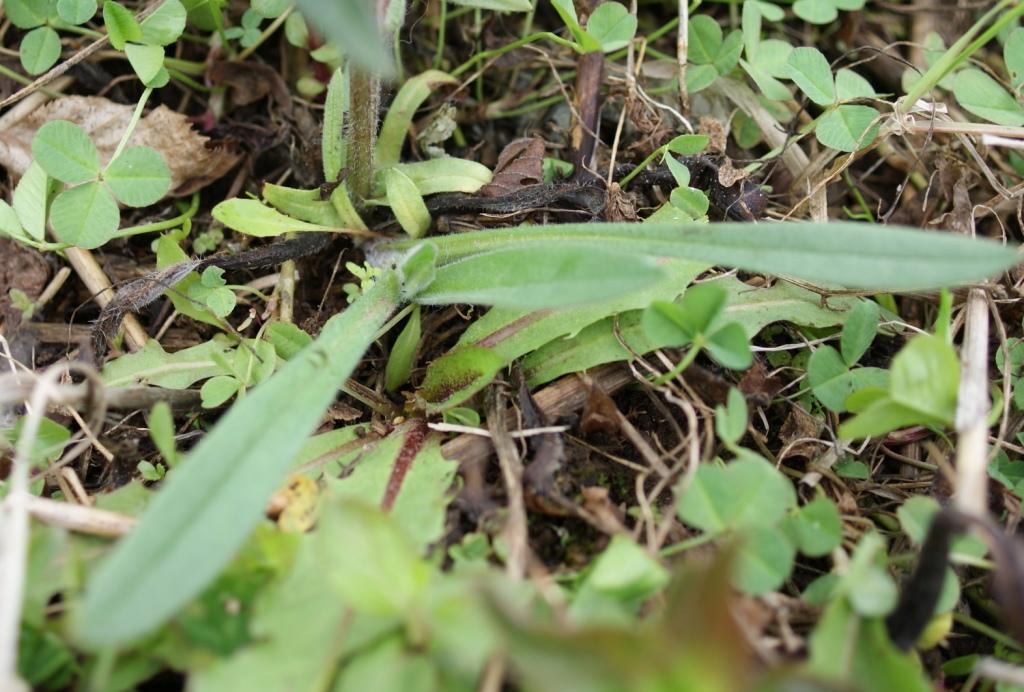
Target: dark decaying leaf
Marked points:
520	164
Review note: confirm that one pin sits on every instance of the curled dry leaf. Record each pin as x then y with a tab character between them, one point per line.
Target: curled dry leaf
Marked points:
195	161
520	164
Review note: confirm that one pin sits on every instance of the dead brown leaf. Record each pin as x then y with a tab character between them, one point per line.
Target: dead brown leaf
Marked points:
758	385
600	414
620	206
195	161
520	164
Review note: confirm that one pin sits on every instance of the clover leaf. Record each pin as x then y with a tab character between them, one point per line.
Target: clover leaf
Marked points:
830	372
695	320
86	214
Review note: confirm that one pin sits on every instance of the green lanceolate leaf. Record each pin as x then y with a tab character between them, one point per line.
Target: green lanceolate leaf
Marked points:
440	175
834	253
688	145
525	278
1013	55
10	226
31	198
65	152
251	217
497	5
456	376
602	341
332	147
400	114
304	205
400	360
567	12
211	502
515	333
406	202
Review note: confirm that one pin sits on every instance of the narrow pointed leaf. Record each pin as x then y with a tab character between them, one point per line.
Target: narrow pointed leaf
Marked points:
216	496
560	276
399	116
847	254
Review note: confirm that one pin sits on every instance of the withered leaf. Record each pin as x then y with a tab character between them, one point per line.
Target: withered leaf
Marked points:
520	164
193	159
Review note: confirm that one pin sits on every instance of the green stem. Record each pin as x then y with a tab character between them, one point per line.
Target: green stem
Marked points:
401	315
689	543
186	215
193	84
266	33
659	55
527	108
855	191
364	103
75	29
518	43
136	115
990	632
441	22
962	49
189	67
686	361
660	151
14	76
